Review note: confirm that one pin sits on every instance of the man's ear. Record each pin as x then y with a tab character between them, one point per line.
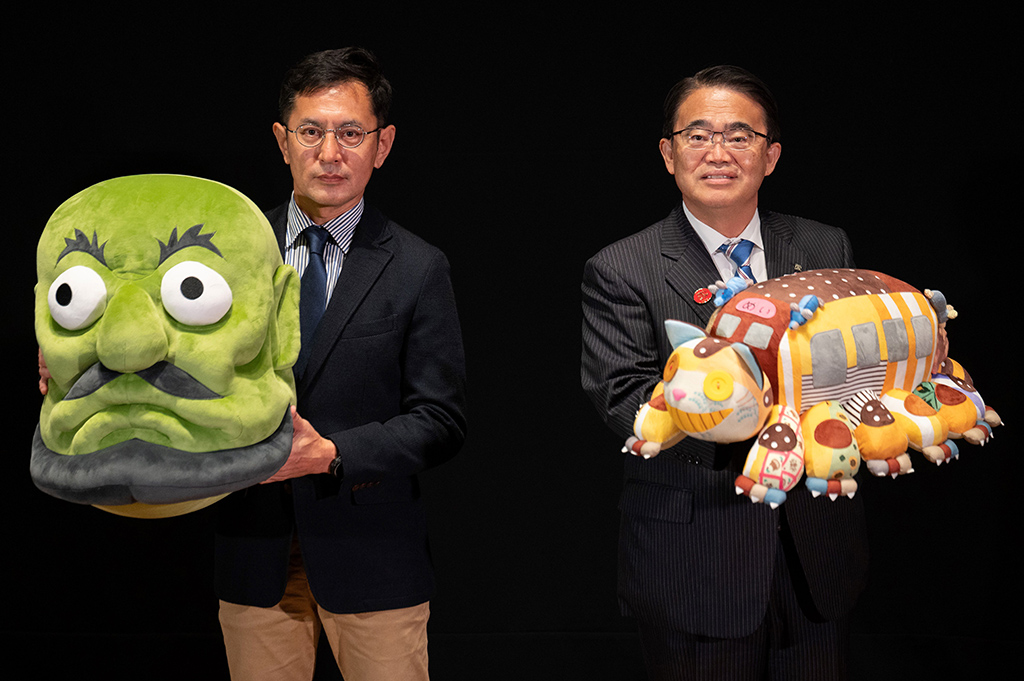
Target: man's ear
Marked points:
665	147
387	138
774	151
285	332
281	133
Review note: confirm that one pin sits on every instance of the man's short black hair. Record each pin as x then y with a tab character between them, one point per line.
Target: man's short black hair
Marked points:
321	70
728	78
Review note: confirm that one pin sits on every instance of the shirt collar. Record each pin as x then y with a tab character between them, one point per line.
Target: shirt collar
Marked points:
340	228
713	239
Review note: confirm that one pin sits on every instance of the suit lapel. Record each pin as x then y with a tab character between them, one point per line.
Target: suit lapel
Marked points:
366	259
782	256
364	263
692	268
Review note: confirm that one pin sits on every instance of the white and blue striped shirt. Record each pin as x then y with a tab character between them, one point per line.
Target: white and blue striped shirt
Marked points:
341	229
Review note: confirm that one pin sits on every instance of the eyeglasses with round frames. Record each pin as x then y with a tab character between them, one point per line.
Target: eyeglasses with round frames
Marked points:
348	136
737	139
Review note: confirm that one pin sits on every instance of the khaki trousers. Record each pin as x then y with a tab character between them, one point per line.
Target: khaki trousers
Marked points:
279	643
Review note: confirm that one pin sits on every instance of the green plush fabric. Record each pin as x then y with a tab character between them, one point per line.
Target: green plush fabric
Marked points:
165	316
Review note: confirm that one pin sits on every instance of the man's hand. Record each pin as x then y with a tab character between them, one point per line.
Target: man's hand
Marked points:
44	374
310	453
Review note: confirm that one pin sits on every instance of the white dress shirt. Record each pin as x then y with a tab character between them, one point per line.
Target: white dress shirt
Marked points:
713	240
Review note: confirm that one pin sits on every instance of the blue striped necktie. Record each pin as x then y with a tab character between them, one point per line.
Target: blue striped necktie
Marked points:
739	252
312	292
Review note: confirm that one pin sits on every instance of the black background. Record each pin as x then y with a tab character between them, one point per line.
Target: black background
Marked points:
527	140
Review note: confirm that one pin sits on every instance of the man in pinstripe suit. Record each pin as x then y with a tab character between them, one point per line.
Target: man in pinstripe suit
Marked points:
720	588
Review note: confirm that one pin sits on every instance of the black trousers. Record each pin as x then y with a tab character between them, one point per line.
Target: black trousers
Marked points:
792	643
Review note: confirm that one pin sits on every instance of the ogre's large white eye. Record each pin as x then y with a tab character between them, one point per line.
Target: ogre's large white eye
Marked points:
77	298
194	294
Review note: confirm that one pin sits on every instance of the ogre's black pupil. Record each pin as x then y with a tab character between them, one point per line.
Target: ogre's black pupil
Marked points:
63	295
191	288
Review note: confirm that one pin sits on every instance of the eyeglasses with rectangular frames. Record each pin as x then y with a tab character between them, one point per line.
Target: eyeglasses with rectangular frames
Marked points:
737	139
348	136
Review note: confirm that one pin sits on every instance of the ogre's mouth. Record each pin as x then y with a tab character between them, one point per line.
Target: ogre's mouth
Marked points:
139	471
163	376
161	404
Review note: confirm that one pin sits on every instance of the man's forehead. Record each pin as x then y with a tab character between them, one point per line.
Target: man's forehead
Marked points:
336	104
719	108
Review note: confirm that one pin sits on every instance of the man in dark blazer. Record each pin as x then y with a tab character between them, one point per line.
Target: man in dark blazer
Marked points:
720	587
337	538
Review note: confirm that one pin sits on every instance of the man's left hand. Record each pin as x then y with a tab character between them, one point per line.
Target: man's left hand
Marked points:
44	374
310	453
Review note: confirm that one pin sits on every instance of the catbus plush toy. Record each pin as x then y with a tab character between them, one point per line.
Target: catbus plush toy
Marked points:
828	369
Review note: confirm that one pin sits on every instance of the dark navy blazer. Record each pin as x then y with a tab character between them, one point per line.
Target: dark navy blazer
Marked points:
386	382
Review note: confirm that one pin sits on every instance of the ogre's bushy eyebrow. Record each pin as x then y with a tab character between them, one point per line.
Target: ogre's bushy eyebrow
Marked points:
191	237
81	243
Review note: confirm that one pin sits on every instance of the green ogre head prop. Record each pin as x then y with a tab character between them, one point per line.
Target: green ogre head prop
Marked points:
169	325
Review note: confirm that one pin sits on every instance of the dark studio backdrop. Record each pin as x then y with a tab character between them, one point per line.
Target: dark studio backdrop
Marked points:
526	142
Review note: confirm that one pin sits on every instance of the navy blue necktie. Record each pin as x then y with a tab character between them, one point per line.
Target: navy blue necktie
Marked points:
312	293
739	252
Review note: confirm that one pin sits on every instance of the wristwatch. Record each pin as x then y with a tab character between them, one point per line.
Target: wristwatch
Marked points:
337	468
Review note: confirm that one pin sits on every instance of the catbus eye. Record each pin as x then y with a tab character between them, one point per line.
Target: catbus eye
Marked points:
194	294
718	385
670	369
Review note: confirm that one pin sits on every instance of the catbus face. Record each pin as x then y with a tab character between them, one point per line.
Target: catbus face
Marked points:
715	391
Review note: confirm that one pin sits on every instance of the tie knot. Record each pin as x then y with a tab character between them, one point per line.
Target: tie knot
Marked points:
317	236
739	252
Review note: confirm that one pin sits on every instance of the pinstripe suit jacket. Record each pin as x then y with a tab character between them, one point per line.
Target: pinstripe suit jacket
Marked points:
694	556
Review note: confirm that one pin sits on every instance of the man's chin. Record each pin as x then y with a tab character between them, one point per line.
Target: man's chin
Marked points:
146	480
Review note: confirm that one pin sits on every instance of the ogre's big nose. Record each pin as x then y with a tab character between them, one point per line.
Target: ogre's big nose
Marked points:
131	335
